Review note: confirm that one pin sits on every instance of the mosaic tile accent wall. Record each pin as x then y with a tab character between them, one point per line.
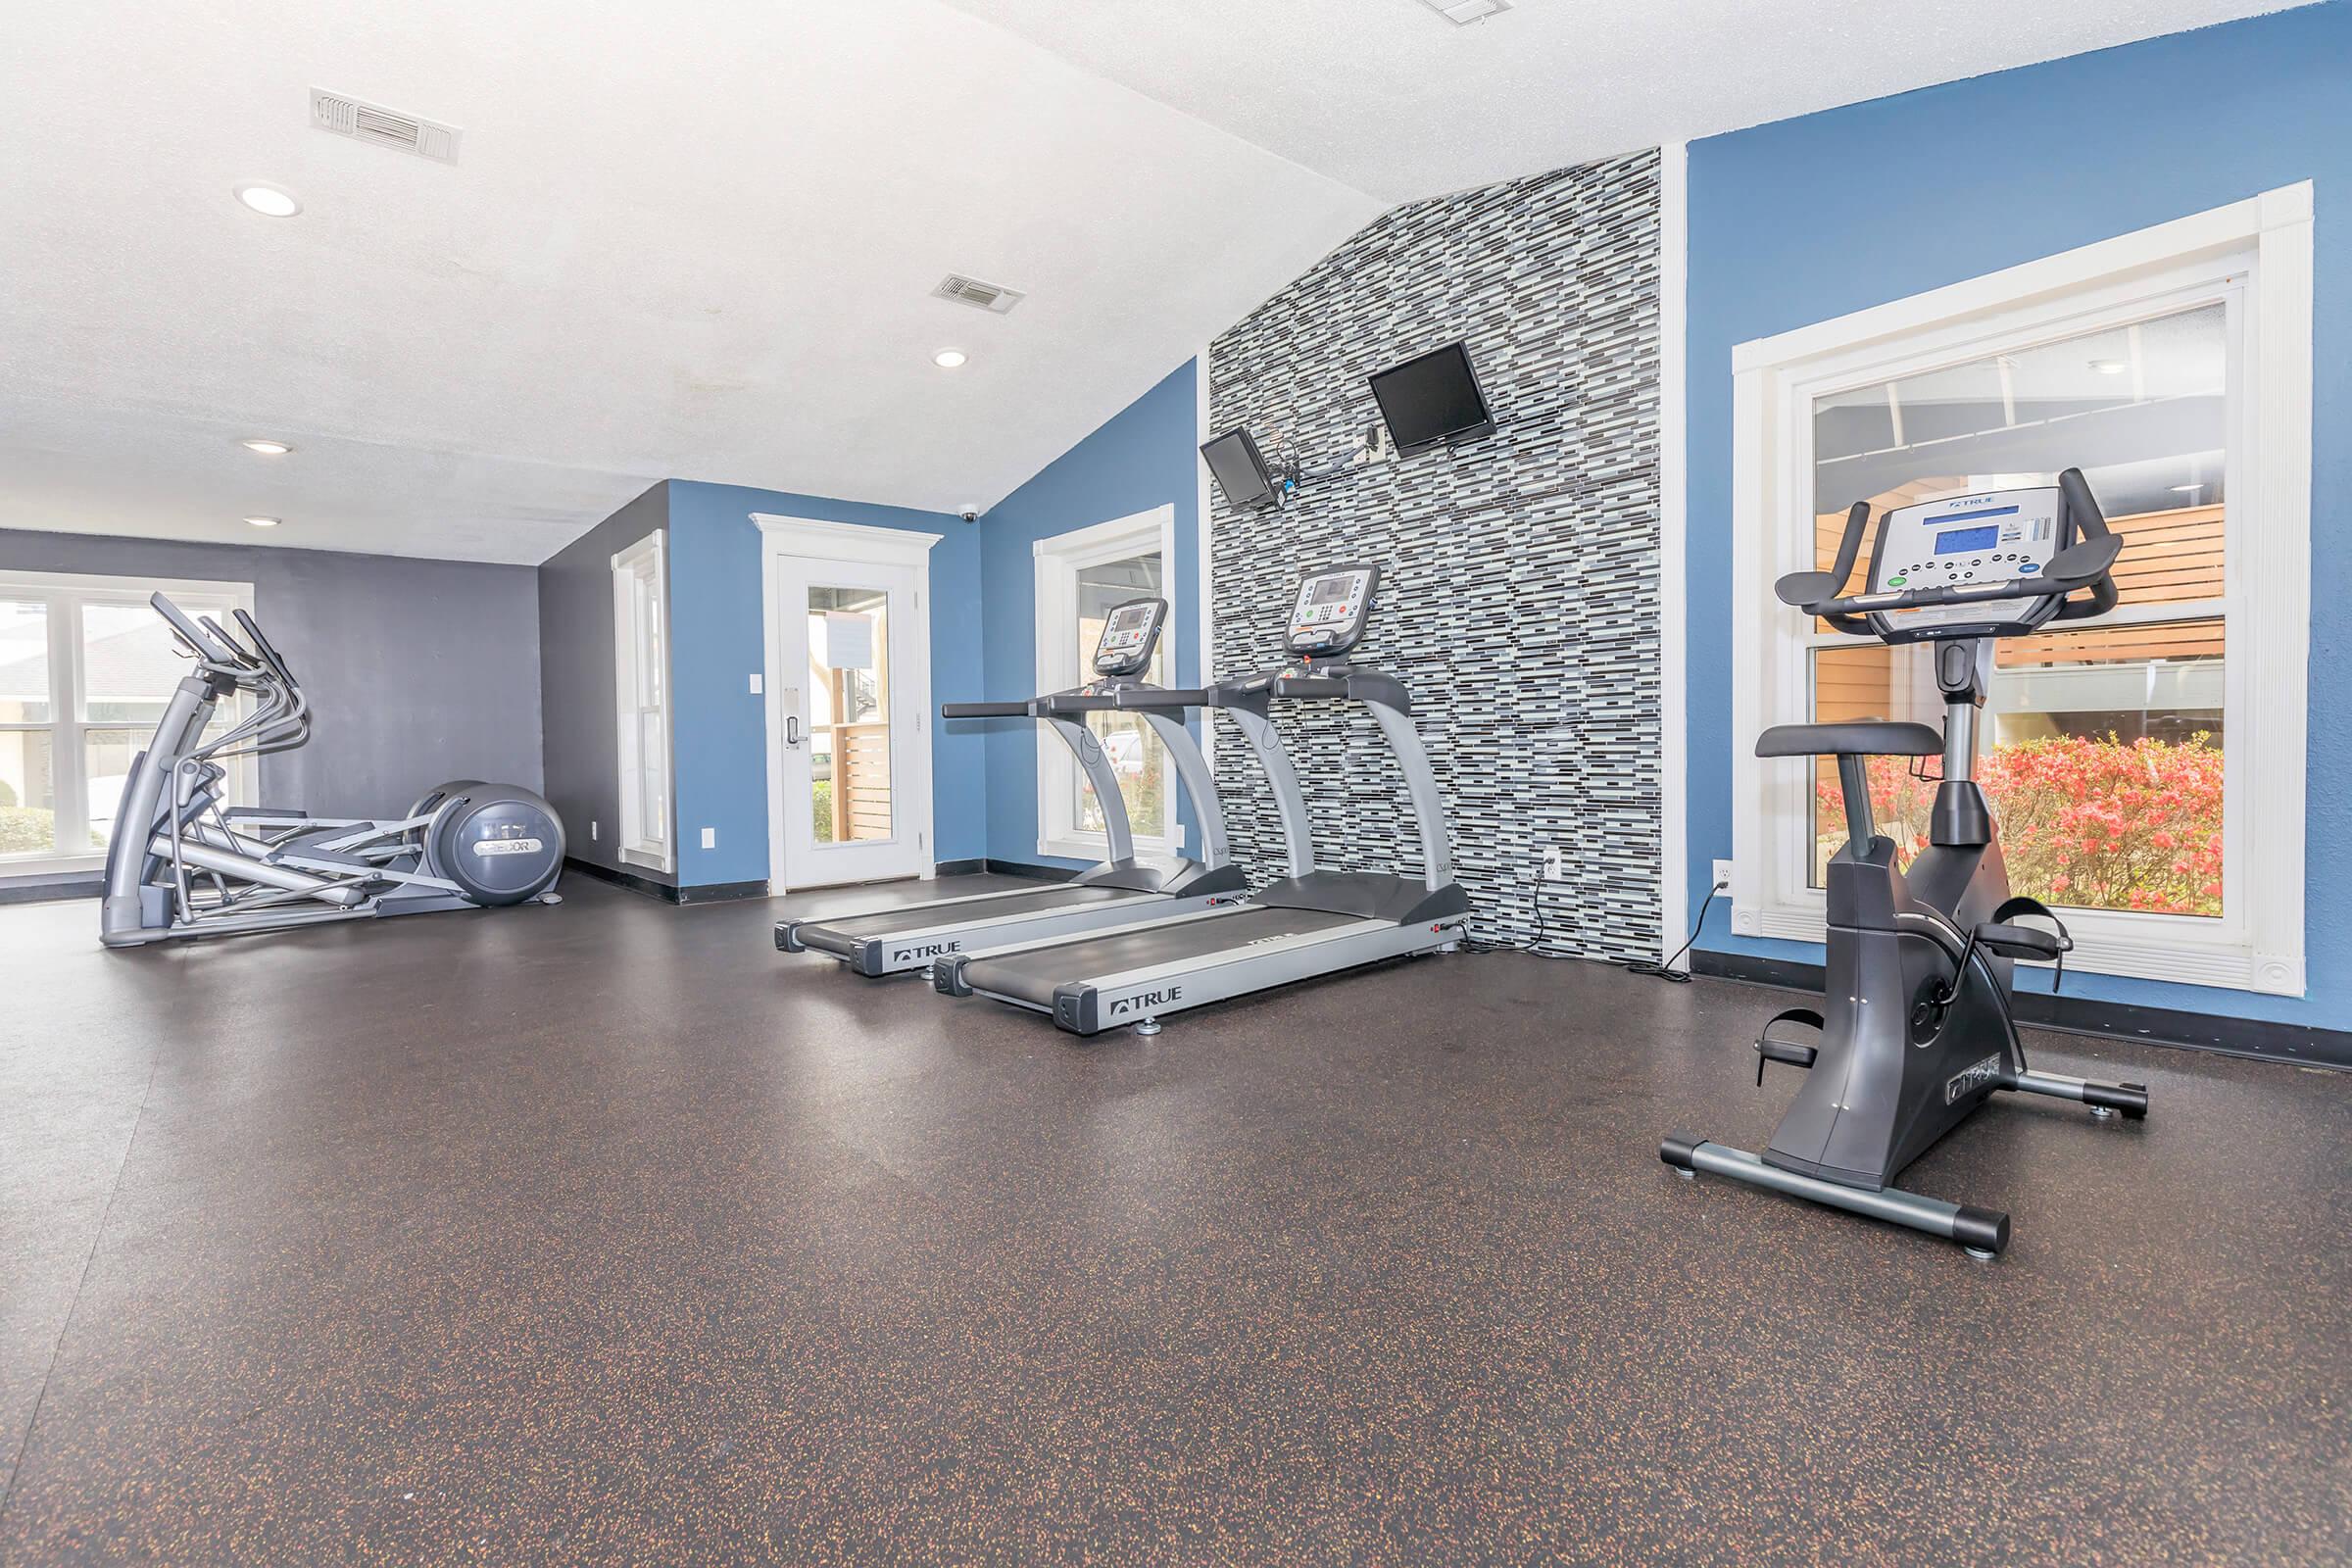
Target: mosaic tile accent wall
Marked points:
1519	593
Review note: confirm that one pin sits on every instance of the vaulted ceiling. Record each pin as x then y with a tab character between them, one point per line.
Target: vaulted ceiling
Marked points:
700	239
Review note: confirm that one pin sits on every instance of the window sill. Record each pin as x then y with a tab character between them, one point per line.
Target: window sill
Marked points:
1092	847
44	865
2137	947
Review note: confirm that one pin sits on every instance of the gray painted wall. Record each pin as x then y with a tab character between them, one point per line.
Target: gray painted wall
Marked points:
418	671
576	654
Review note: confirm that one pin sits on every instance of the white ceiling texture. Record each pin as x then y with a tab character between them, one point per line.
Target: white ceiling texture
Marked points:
698	239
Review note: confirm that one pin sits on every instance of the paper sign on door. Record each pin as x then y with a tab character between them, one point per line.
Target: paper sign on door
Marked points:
848	640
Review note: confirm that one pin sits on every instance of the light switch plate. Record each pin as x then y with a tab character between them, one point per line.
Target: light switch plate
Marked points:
710	838
755	683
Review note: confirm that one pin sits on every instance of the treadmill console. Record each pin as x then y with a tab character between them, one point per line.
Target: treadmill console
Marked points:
1333	605
1130	632
1963	541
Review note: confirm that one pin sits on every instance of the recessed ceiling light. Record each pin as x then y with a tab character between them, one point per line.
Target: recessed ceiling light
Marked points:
265	447
2110	367
1463	12
264	523
271	201
948	358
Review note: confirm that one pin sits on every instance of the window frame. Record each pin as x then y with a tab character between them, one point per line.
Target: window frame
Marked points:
1058	560
2256	256
66	595
646	560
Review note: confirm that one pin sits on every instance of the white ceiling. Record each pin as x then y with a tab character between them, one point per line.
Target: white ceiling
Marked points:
696	239
691	241
1390	97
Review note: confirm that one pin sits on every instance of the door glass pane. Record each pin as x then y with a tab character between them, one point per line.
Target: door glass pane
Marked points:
23	663
129	664
2104	745
1135	753
28	807
848	715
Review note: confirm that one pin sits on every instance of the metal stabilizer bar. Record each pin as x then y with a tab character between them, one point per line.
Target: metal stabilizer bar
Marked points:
2104	1099
1982	1231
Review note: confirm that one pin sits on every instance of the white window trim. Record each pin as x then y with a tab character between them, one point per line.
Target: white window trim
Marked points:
1058	560
2257	945
65	593
815	539
627	566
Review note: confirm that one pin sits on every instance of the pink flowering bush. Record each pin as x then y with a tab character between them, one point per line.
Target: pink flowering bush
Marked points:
2090	823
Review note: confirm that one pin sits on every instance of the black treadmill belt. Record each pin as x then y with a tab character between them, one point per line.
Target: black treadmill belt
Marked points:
1032	976
923	916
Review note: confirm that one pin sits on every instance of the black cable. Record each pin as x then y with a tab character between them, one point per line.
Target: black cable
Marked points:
1667	970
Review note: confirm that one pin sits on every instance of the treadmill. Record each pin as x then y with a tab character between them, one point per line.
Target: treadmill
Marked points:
1121	891
1311	923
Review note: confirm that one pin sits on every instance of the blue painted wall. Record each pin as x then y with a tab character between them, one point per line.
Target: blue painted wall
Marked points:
1809	219
1144	456
715	633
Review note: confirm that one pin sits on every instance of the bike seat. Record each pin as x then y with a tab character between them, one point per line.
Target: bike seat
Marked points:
1861	737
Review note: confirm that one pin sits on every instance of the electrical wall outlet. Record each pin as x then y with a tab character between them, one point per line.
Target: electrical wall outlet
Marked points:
1555	865
1723	874
710	838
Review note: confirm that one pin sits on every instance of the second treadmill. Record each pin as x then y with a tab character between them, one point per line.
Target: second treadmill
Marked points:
1311	923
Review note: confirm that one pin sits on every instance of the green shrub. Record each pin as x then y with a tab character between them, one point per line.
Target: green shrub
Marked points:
24	829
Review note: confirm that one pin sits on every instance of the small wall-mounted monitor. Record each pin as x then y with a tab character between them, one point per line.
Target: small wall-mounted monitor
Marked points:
1241	471
1432	398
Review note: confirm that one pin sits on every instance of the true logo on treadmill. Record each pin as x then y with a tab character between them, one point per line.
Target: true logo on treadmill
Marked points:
929	950
1144	1001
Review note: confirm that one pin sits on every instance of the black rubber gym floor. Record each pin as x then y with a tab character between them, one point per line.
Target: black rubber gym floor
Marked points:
605	1234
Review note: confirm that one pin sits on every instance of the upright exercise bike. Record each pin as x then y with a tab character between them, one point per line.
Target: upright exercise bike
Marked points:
1916	1030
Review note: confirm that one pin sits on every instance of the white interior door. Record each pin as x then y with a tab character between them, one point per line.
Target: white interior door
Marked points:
854	772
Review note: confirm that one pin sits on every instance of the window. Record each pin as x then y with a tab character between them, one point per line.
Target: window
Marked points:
86	670
2118	753
641	646
1080	577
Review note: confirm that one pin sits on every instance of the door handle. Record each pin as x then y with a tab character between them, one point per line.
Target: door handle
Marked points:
792	729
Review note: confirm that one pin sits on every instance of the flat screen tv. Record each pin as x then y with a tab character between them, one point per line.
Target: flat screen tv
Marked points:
1241	473
1432	398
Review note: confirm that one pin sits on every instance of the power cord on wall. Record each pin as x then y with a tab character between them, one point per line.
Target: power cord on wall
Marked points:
1667	970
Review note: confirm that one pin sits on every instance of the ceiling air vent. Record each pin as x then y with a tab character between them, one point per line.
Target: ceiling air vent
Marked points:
385	128
1461	13
971	291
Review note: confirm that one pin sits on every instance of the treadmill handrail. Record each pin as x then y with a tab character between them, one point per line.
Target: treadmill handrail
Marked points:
1355	685
1027	709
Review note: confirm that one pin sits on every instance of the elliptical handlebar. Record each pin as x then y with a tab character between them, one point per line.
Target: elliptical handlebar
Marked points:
2084	564
197	640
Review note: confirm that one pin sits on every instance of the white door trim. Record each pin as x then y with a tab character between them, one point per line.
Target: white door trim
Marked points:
815	539
1055	560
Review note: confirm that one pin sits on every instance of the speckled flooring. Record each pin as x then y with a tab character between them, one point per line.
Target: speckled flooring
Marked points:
605	1234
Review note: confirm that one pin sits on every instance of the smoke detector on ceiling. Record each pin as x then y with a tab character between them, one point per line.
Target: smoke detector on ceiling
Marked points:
1461	13
983	296
384	128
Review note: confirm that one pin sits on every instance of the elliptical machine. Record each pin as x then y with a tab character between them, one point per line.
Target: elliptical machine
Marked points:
181	864
1916	1030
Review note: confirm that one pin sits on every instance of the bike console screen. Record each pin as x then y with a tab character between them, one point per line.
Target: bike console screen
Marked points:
1328	617
1965	542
